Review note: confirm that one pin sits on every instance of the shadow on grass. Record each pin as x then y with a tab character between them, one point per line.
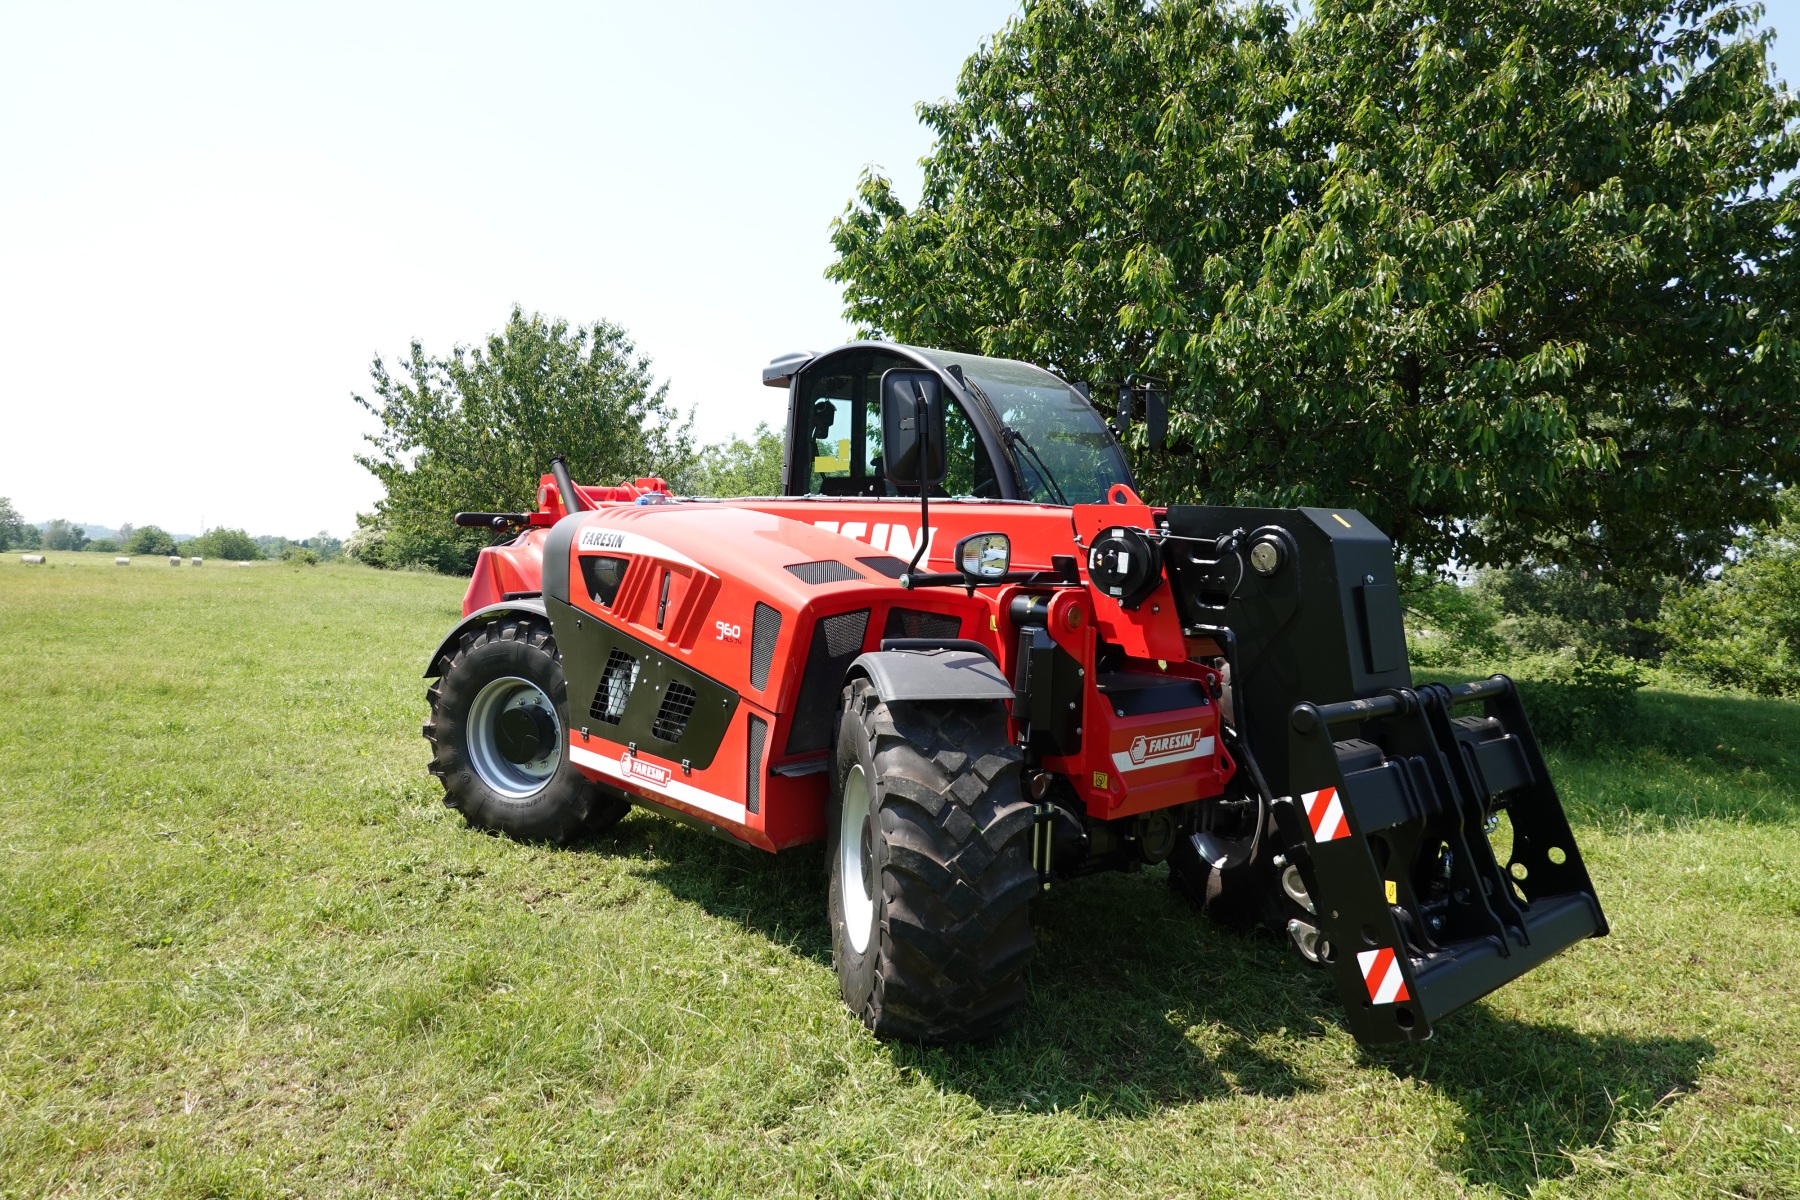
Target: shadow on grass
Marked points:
779	896
1533	1096
1137	1004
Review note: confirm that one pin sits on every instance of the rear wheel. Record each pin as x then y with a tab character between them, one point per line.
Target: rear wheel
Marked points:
499	737
931	881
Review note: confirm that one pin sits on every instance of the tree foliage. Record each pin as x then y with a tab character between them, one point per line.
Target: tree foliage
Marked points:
737	467
1512	277
475	430
64	535
150	539
231	544
15	534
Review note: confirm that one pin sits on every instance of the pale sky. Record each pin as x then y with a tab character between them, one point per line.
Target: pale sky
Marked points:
212	217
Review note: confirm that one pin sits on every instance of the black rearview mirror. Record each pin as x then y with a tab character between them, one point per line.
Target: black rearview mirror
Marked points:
912	427
1156	418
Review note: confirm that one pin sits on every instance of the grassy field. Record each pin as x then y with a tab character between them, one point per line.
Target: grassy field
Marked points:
245	951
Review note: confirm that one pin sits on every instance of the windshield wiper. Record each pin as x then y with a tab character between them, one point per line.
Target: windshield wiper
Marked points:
1011	436
1015	438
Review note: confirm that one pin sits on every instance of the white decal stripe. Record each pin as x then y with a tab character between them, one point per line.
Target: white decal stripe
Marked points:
1390	984
626	542
1333	824
675	790
1122	758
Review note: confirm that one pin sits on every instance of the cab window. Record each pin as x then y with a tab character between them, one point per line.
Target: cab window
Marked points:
842	415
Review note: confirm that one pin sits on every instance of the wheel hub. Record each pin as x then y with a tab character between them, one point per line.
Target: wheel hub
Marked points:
524	733
514	737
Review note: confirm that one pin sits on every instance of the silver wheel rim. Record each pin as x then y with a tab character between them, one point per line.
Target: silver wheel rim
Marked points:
512	780
855	896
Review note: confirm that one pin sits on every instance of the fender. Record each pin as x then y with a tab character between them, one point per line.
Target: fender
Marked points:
932	675
525	604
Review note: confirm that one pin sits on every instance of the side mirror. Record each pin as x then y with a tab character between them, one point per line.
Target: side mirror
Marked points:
984	556
912	427
1156	418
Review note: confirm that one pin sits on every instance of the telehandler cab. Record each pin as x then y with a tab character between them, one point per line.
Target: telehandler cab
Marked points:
963	652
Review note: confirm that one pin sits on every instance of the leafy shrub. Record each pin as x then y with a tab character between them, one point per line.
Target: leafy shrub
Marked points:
301	555
376	544
103	546
1447	625
1580	701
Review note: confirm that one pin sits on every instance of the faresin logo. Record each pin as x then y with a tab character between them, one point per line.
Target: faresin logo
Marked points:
636	768
1163	745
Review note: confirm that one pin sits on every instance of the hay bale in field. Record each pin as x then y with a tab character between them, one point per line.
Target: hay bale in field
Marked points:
121	562
174	560
32	560
243	564
196	561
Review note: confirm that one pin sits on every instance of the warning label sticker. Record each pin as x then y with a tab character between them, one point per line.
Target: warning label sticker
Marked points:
1382	976
1325	813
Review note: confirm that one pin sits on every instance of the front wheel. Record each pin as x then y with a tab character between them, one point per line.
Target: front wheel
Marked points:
499	737
930	874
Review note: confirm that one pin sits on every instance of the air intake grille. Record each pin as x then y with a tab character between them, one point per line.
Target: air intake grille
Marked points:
759	733
764	629
672	717
616	682
825	571
916	623
836	641
844	633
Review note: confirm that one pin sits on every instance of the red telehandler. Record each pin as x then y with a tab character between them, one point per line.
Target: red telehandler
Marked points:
963	652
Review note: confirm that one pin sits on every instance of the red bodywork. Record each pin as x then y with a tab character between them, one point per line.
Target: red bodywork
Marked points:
722	557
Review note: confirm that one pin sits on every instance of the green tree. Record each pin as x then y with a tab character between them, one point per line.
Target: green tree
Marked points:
150	539
1513	277
476	430
737	467
1743	628
232	544
14	532
64	535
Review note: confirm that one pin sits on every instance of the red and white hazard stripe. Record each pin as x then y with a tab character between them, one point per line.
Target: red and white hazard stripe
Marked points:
1382	976
1325	812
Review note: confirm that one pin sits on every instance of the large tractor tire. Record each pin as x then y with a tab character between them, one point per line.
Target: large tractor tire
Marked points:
499	737
931	878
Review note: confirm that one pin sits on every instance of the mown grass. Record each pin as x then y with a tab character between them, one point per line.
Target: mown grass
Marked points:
244	951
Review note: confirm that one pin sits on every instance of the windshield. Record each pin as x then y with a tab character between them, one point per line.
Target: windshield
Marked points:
1064	452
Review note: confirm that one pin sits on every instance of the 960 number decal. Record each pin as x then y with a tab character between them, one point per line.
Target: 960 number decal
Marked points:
729	633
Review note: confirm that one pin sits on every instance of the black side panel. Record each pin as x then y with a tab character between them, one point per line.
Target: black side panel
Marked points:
764	630
556	558
836	641
753	768
1047	693
692	721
